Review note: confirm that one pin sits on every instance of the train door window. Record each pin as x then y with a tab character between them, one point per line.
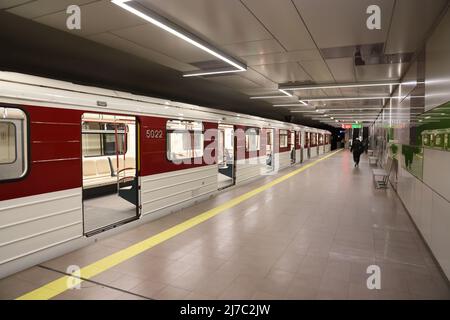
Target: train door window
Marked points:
252	142
109	171
283	138
13	143
185	139
225	156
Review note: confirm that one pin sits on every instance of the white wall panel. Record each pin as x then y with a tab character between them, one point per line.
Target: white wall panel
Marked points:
431	214
436	171
440	235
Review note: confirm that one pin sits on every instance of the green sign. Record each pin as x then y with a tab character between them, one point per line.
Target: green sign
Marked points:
356	126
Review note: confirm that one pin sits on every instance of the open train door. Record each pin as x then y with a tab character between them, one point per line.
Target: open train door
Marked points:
292	147
109	171
270	156
226	156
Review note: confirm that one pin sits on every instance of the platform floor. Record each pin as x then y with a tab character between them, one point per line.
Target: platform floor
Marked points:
311	236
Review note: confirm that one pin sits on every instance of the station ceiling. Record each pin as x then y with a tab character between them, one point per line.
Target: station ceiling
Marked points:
282	43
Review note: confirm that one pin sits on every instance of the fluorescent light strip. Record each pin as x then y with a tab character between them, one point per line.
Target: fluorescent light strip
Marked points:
346	98
359	98
290	105
286	95
285	92
374	108
123	4
351	85
267	97
205	73
304	111
336	86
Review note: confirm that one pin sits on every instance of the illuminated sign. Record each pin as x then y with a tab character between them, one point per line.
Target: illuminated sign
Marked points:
356	126
346	126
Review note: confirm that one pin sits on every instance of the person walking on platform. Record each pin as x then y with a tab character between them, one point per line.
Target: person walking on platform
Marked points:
357	148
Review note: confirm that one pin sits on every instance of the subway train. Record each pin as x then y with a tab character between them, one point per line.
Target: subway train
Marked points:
78	163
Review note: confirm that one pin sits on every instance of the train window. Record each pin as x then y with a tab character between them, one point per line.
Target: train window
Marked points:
185	139
283	138
13	143
100	139
7	142
252	139
269	138
320	139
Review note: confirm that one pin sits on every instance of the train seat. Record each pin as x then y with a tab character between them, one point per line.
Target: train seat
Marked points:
97	172
130	164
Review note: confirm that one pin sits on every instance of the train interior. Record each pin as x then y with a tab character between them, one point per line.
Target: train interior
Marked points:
110	181
225	156
269	150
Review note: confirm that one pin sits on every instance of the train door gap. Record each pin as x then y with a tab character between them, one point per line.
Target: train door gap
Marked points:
270	133
308	145
225	156
292	147
109	171
300	142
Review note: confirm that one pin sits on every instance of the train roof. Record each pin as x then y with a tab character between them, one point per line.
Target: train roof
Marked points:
34	90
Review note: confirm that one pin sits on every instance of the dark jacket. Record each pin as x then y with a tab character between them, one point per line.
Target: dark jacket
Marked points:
357	147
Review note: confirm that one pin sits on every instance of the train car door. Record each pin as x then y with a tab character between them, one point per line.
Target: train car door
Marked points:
292	141
109	171
308	144
226	156
270	160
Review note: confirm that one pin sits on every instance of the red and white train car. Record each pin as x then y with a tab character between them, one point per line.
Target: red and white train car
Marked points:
77	162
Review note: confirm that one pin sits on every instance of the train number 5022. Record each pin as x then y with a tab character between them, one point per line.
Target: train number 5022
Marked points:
154	134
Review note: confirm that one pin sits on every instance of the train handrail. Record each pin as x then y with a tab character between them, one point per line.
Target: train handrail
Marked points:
125	178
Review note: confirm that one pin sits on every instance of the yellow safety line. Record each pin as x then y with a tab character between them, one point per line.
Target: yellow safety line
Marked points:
64	283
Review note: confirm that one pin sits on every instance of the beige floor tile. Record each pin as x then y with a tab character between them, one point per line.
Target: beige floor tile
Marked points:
171	293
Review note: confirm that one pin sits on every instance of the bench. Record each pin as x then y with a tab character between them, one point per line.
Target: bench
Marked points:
373	157
384	174
99	172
